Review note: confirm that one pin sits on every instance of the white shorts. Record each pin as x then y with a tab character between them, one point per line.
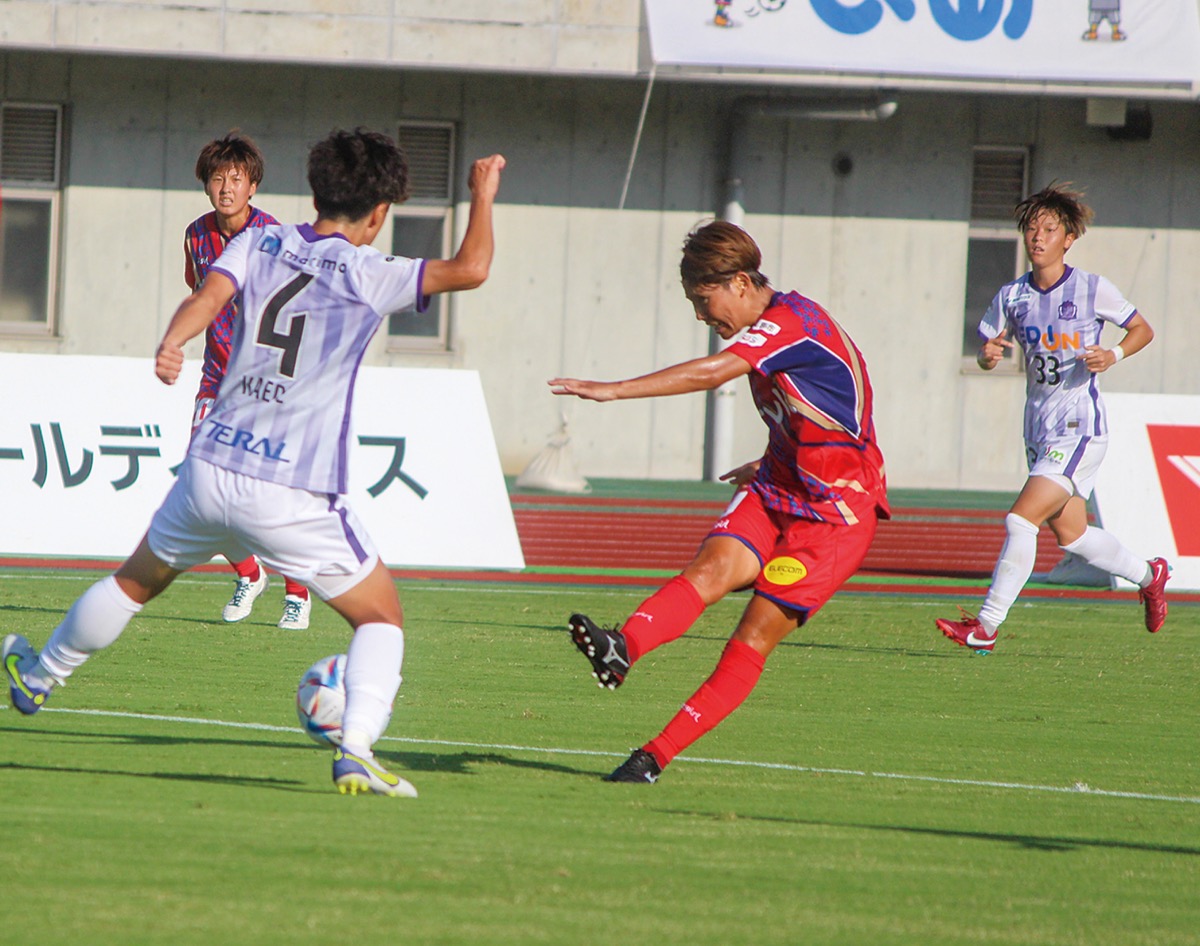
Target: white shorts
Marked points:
1073	459
313	538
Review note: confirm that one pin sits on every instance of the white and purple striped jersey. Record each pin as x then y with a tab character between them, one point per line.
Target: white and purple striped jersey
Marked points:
310	305
1054	327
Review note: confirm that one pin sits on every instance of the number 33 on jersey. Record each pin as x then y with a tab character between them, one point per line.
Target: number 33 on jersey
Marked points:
1054	328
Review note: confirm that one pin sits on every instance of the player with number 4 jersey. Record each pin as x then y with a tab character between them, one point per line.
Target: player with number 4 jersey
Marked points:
309	303
266	472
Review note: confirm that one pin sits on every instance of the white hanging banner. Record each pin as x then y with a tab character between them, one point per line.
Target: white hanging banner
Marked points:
1112	42
87	447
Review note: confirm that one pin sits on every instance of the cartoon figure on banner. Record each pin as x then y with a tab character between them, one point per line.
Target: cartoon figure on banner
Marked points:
721	17
1098	12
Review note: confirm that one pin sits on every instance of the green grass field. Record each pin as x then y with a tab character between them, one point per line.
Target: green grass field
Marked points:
881	786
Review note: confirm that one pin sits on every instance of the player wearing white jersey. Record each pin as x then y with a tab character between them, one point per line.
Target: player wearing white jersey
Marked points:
1056	314
311	303
1055	328
266	472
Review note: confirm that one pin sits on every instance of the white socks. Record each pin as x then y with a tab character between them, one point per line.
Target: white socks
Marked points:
1102	550
95	620
1012	570
373	663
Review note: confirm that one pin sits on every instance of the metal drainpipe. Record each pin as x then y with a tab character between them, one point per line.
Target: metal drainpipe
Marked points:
718	440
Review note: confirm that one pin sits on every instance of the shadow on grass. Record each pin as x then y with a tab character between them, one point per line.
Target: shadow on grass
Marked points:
453	763
1025	841
465	763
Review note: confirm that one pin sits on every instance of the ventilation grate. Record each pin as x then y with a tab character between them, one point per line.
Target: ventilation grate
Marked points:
998	183
430	151
29	136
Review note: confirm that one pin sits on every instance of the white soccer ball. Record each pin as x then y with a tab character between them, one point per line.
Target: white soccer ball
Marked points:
321	700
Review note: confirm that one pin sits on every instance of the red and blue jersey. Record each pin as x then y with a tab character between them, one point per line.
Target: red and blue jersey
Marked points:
810	385
203	243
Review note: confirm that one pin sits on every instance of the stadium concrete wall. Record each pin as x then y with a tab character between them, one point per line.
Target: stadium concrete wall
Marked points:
583	288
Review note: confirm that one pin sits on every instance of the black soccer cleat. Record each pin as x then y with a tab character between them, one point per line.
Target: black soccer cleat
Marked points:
603	647
641	766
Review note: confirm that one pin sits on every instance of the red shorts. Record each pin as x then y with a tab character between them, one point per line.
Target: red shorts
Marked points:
803	561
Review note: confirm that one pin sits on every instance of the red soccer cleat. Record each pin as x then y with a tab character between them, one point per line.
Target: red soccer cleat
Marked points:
1154	595
968	633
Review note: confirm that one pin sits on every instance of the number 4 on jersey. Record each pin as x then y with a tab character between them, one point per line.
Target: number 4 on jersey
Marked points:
289	344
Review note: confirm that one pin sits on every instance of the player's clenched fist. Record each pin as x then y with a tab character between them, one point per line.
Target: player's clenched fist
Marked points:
485	175
168	362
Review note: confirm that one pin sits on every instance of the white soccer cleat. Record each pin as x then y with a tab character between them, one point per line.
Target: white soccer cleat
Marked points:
296	611
244	596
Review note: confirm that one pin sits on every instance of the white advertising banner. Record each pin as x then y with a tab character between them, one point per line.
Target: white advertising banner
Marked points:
1148	491
1096	41
87	447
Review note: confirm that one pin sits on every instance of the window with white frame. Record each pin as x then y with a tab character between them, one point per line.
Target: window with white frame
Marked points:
30	181
995	254
422	228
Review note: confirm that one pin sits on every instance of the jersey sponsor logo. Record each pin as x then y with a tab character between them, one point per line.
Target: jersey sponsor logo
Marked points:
245	441
1049	340
314	262
752	340
271	244
766	327
785	570
1053	455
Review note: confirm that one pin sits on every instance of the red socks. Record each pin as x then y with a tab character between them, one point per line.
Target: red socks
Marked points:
736	674
247	568
663	617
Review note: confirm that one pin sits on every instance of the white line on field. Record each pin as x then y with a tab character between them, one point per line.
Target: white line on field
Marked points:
1077	789
496	586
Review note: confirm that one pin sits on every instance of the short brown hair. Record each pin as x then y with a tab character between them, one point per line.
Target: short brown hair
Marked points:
718	251
1059	200
234	150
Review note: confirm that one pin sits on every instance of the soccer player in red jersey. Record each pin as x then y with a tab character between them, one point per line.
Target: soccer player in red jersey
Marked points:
231	168
803	515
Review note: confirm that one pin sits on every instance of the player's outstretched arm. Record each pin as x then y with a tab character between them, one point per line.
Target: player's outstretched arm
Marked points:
473	261
193	316
700	374
1138	334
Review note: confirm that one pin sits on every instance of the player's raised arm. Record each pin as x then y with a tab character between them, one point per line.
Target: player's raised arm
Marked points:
193	316
473	261
700	374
